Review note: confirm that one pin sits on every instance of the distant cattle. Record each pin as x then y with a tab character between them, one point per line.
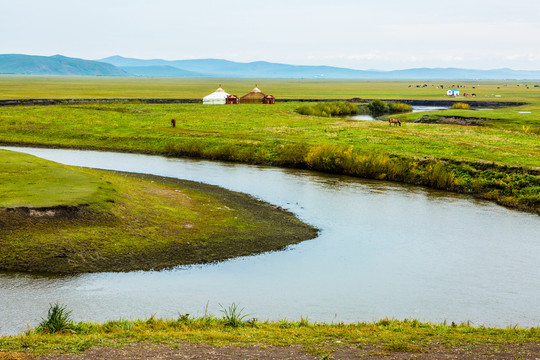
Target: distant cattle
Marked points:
173	123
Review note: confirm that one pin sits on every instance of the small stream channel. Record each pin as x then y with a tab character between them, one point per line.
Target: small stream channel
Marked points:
416	108
384	249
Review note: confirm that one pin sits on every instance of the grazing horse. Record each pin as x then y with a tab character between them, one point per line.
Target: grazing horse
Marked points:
393	120
173	123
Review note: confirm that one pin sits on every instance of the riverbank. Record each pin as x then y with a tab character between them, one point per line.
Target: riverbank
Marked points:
233	338
77	220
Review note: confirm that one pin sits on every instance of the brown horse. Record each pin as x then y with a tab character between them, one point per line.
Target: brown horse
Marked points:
173	123
393	120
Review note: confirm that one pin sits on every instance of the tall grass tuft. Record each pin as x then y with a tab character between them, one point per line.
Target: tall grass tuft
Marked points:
439	177
233	316
58	319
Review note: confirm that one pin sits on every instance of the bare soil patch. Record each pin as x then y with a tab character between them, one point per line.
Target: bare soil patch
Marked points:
452	120
183	350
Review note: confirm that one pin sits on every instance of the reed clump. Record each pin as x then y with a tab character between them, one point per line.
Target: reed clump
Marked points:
399	107
379	107
328	109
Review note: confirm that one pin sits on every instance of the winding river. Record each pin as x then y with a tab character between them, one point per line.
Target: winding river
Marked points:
384	249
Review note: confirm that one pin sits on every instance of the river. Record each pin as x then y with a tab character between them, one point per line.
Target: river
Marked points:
384	249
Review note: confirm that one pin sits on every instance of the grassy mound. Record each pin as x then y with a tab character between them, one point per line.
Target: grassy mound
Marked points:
121	222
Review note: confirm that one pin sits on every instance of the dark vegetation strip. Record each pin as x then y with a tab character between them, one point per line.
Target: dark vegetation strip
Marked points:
480	103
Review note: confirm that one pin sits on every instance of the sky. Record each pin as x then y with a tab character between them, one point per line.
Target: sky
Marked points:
358	34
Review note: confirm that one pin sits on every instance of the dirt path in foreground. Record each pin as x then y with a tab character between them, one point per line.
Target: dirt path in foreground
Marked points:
184	350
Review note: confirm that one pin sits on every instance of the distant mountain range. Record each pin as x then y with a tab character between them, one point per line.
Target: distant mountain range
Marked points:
121	66
55	65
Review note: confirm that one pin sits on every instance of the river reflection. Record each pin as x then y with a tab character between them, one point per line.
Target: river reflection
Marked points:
384	250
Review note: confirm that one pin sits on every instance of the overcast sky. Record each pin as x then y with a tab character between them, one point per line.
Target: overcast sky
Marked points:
359	34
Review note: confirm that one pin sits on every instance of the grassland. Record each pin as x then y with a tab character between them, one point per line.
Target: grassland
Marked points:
60	219
39	87
188	336
498	161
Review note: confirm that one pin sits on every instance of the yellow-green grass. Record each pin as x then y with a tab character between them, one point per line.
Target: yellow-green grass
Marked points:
120	222
384	336
32	87
33	182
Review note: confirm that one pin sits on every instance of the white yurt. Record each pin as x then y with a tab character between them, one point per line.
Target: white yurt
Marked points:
216	98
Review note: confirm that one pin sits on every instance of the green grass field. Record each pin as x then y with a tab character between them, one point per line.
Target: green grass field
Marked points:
38	87
116	222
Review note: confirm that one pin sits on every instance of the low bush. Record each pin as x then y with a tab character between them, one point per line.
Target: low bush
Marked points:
399	107
461	106
379	107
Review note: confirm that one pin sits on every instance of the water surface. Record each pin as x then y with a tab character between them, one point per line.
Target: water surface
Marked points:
384	250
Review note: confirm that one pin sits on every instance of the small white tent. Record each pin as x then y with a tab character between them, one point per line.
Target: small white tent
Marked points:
452	92
218	97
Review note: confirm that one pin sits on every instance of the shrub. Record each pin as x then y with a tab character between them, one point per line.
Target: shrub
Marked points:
399	107
378	107
461	106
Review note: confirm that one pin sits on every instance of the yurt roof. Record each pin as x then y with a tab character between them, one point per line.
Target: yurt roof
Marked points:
255	93
218	94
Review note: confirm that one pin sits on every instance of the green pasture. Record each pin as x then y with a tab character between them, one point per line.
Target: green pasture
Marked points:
38	87
143	127
278	135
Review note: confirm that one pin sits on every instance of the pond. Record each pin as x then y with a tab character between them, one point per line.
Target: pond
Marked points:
384	249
